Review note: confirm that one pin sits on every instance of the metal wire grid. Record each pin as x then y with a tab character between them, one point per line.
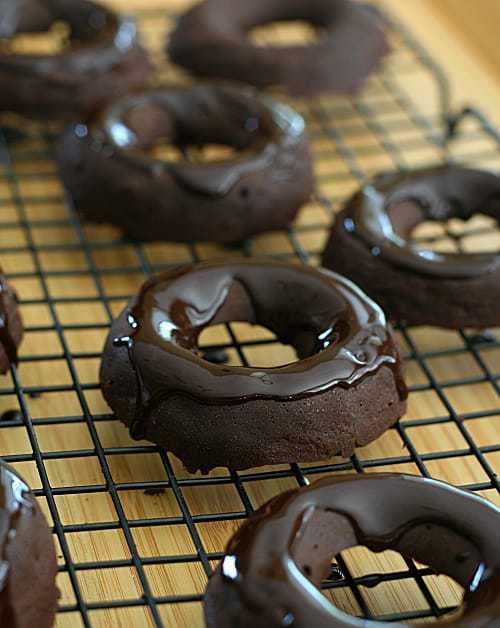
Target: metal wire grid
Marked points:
339	129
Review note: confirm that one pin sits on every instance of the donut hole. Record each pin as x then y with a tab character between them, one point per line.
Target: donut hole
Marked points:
285	330
381	565
197	125
478	234
273	327
43	29
288	24
285	33
199	154
387	588
51	42
258	345
164	150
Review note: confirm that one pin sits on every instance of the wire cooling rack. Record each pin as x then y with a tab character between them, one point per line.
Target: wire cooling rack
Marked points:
136	534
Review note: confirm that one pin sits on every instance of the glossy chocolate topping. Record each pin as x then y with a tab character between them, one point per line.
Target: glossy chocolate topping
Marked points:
384	214
340	335
276	561
98	38
262	129
6	338
13	499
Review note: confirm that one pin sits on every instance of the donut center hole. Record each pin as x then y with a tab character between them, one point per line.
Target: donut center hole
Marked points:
399	578
195	154
44	30
278	332
184	128
479	234
50	42
385	586
285	33
243	344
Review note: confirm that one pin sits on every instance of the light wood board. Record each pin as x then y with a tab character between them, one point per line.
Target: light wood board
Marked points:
46	277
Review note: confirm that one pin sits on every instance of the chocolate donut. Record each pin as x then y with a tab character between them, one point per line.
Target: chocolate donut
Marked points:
211	40
101	60
275	562
111	178
11	326
345	390
368	244
28	568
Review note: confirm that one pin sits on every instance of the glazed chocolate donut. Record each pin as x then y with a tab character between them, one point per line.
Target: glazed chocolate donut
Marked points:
28	568
345	390
11	326
211	40
270	564
368	244
101	61
112	179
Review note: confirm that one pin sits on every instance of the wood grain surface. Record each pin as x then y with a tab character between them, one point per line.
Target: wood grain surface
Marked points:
476	22
71	278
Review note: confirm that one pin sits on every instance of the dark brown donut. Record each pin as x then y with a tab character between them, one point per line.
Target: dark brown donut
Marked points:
368	244
275	562
345	390
102	60
211	41
28	568
112	179
11	326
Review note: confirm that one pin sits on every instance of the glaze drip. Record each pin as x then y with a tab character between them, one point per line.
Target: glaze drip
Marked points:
451	530
384	214
339	334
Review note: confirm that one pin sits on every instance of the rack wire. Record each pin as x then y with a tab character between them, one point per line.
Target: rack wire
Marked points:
137	536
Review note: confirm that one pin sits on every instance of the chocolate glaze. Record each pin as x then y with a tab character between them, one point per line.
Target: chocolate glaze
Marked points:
384	214
6	339
339	334
98	38
261	128
107	165
278	558
13	499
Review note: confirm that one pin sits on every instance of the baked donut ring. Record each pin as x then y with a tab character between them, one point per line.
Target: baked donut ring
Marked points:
112	179
27	557
11	326
101	61
211	41
276	561
368	244
345	389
